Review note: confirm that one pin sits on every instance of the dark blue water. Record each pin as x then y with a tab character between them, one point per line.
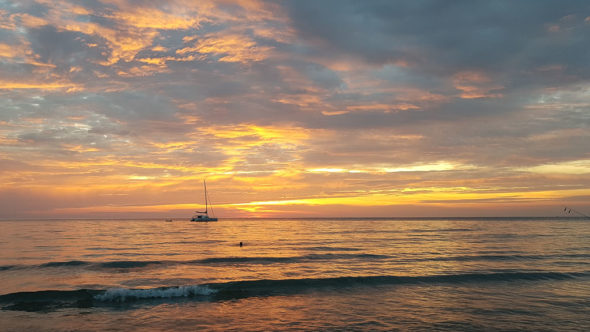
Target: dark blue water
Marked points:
326	274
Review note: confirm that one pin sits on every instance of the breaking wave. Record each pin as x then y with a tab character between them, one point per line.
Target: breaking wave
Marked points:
125	294
84	298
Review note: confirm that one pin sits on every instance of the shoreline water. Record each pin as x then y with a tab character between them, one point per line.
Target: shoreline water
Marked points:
149	275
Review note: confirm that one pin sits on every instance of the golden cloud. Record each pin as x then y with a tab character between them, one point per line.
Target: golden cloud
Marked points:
68	86
229	47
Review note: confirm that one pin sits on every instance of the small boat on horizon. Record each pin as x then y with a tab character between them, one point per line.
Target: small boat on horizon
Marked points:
203	216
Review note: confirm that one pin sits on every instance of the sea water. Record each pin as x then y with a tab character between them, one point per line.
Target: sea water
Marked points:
295	274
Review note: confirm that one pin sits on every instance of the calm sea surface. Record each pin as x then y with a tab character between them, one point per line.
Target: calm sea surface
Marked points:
325	274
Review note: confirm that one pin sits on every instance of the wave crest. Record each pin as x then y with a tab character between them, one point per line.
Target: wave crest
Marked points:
124	294
83	298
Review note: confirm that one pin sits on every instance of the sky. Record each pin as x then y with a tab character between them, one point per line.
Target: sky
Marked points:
121	108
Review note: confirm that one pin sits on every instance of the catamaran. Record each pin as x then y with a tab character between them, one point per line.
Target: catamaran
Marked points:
203	216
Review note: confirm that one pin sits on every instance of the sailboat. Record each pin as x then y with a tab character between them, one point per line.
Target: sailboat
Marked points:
203	216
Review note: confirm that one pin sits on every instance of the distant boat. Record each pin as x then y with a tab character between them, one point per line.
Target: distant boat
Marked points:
203	216
168	220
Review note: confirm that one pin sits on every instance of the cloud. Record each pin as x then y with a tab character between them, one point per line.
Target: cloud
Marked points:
302	103
228	48
385	31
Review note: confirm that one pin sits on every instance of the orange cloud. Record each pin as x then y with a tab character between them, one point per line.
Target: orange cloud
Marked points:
152	18
136	27
22	53
308	101
10	51
12	85
383	107
282	135
230	47
124	43
30	21
473	84
159	48
6	20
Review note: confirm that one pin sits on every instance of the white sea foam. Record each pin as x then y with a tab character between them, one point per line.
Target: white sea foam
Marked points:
123	294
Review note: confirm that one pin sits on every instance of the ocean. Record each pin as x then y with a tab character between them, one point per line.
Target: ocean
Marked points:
465	274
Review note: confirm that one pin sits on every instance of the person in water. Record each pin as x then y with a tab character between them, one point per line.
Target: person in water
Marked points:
241	243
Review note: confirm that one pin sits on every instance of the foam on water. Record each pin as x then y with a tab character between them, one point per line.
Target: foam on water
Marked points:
124	294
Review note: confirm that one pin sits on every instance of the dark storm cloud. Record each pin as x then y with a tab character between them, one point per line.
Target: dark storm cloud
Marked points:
446	36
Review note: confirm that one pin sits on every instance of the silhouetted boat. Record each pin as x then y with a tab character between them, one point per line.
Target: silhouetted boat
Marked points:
203	216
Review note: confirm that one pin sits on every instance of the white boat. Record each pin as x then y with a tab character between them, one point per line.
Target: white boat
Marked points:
203	216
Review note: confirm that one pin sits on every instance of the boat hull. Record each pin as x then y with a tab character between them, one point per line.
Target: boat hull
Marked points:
203	219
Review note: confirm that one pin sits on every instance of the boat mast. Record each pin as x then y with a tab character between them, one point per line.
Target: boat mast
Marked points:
205	186
570	210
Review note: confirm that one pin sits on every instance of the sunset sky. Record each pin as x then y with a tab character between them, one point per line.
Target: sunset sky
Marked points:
120	108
